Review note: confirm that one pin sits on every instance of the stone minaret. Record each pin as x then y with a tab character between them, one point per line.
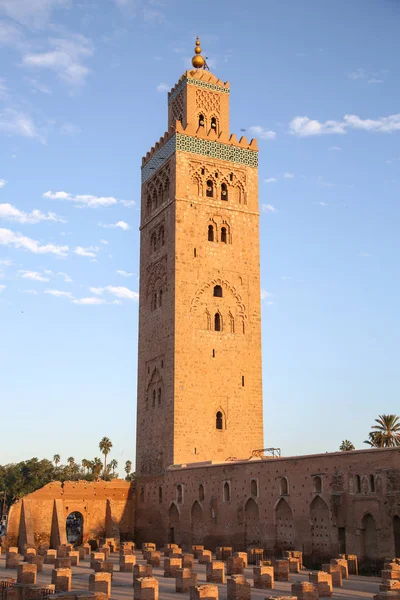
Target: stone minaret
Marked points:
199	374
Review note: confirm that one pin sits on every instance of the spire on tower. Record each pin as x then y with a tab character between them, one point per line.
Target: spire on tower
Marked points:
198	61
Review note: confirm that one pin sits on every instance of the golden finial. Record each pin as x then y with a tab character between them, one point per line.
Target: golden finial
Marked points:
198	61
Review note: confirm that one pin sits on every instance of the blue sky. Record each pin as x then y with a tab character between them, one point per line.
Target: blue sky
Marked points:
83	90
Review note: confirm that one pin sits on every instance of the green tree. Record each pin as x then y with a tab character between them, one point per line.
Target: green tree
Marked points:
128	467
113	465
86	465
71	461
56	459
346	445
386	434
97	466
105	446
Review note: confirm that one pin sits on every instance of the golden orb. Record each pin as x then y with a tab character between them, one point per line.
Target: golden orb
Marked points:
198	62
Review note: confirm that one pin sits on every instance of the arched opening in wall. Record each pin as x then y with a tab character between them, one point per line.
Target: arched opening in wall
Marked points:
201	492
173	523
201	120
74	527
217	322
153	242
223	235
251	523
214	123
284	529
372	483
154	201
210	189
210	233
396	535
227	492
160	295
217	291
197	523
320	526
254	488
368	538
317	485
219	420
161	237
358	484
284	486
179	493
166	190
148	204
224	191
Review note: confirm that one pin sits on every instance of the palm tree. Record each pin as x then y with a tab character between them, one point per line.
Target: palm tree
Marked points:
85	464
56	459
71	461
128	468
346	445
113	465
386	433
105	446
96	466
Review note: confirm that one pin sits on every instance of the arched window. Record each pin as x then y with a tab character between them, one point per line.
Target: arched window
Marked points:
201	120
227	492
210	233
217	322
179	493
223	235
201	492
358	484
154	397
214	123
154	202
160	298
161	237
317	485
372	483
224	191
160	494
159	396
284	486
210	189
153	242
148	204
231	323
218	291
166	190
154	301
253	487
219	420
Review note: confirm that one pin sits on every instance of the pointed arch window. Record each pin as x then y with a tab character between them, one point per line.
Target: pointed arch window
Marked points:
358	484
317	484
214	123
254	487
210	233
159	396
161	237
219	420
217	322
284	486
154	398
227	492
224	191
160	295
201	492
224	236
210	189
179	493
160	494
217	291
372	483
201	120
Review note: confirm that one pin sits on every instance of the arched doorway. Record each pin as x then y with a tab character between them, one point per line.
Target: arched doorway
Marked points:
320	538
74	527
173	518
197	523
252	523
369	544
284	530
396	535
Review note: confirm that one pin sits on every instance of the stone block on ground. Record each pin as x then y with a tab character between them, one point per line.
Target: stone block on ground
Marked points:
255	555
96	556
171	566
26	573
323	581
42	549
281	570
390	574
215	571
29	551
38	560
126	563
148	546
104	566
61	551
187	561
238	588
294	554
12	560
145	588
235	565
50	557
243	556
305	590
197	550
342	562
142	571
294	565
263	577
154	558
223	552
63	563
204	592
100	582
389	585
184	580
73	555
204	557
61	578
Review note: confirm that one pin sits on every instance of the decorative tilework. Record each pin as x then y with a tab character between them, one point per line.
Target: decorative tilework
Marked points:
199	83
187	143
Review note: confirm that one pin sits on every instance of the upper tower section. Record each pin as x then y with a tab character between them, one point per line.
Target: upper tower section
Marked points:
200	100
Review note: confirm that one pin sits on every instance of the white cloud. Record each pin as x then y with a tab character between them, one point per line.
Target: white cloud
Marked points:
6	262
163	87
335	148
9	212
59	294
65	57
67	278
2	183
69	129
124	273
305	127
121	292
105	242
38	86
128	203
82	199
260	132
2	288
13	122
265	295
32	292
375	80
322	203
89	300
357	74
364	254
89	252
10	34
34	13
32	275
17	240
268	208
119	225
288	175
270	180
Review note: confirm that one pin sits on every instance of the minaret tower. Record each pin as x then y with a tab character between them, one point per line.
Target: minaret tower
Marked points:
199	374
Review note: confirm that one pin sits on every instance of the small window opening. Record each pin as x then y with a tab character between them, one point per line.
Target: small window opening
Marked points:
254	488
217	322
213	123
179	493
201	122
219	420
284	486
218	291
160	494
213	353
159	396
210	233
223	235
372	483
162	236
210	189
317	485
242	380
227	492
162	364
203	171
358	484
201	492
154	398
155	301
231	177
194	252
224	192
216	175
160	298
195	451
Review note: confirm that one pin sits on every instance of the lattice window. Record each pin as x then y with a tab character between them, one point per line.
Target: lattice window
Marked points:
208	101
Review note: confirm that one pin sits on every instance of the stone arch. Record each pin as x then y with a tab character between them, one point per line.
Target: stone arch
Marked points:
196	186
239	194
212	223
252	523
173	523
74	528
197	522
240	307
319	517
157	279
396	535
284	526
214	120
368	538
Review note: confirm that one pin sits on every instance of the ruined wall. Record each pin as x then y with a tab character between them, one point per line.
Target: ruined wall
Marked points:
320	504
107	507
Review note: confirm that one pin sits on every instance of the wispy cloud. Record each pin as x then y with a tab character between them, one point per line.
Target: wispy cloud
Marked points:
128	203
119	225
270	180
260	132
17	240
14	122
306	127
335	148
266	295
163	88
90	252
288	175
370	76
87	200
69	129
89	301
9	212
104	242
33	13
2	288
2	183
124	273
268	208
33	276
59	294
120	292
32	292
